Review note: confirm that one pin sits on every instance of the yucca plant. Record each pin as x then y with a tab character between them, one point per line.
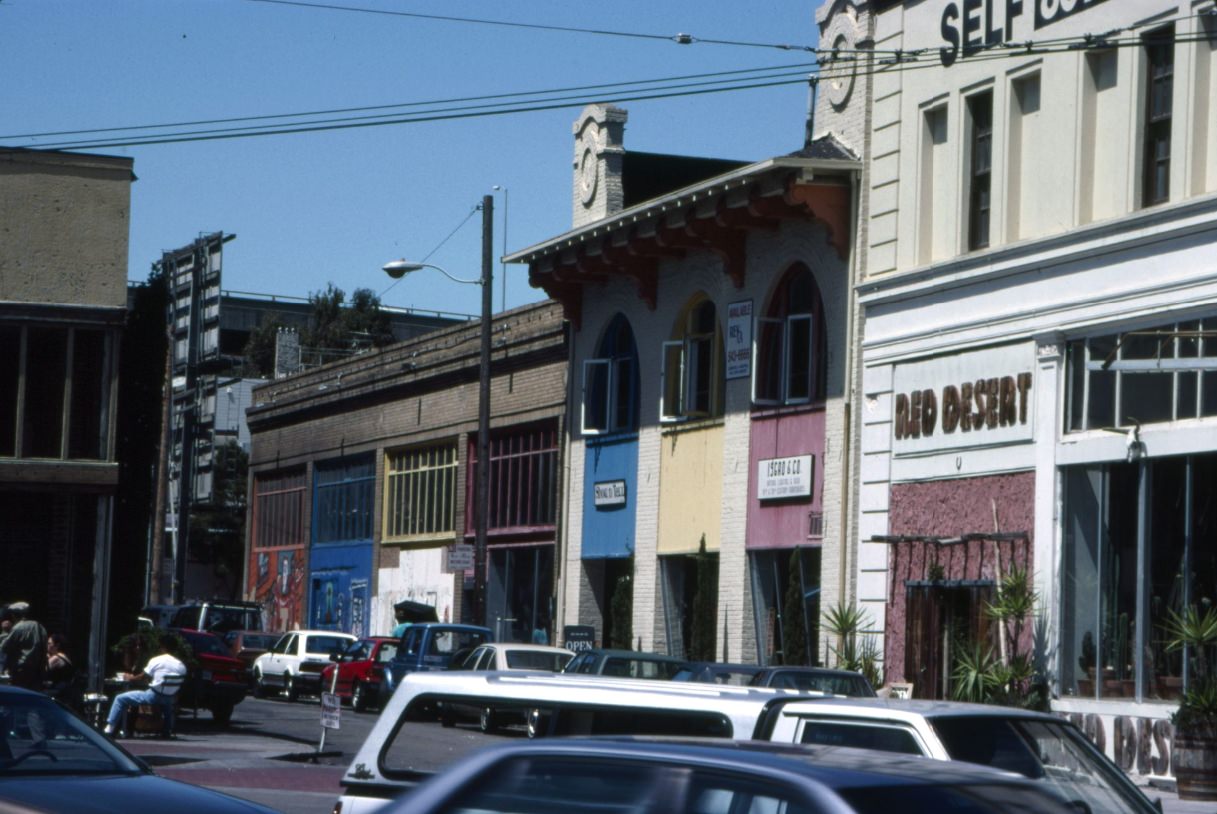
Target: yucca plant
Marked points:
1194	631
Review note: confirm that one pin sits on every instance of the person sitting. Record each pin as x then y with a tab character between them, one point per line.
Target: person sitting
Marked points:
165	674
57	679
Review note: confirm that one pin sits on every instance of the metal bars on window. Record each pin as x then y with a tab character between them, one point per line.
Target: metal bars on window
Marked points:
523	480
1167	373
342	501
279	509
420	491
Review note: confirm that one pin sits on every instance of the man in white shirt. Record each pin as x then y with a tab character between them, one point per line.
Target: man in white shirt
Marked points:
165	674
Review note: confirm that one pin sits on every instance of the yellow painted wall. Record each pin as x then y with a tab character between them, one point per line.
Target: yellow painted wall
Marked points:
690	490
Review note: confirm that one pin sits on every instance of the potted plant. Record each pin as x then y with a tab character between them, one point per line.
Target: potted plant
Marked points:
1087	661
1194	631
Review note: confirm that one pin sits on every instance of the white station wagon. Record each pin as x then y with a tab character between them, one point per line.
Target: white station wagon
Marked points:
294	663
400	750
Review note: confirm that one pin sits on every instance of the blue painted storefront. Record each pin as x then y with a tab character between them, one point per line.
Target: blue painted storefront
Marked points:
340	581
608	531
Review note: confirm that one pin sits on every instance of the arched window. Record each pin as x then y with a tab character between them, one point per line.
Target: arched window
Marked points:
788	368
693	366
610	382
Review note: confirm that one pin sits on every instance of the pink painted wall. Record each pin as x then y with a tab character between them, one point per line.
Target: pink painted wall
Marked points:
783	524
954	508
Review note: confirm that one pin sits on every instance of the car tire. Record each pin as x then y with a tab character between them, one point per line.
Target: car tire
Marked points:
359	697
289	687
486	721
221	713
259	685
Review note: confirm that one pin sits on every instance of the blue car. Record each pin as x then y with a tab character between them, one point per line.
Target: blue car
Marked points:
430	646
50	760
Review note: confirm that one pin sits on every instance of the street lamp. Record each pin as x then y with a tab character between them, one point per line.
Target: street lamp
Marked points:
400	268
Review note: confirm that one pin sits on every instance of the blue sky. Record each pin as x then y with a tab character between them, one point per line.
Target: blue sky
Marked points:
314	208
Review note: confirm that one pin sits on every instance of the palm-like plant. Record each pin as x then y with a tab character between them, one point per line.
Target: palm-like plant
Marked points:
1195	632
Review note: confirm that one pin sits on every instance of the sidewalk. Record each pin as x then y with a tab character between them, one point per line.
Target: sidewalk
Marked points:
279	773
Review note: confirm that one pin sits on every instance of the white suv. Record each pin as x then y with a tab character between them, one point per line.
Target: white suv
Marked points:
295	662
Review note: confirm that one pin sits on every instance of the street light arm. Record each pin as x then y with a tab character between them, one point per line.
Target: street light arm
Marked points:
400	268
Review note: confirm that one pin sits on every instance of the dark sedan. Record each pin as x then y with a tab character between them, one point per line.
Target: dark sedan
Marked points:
50	760
815	679
641	777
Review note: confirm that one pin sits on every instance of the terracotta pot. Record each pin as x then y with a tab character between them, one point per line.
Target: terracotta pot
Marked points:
1195	765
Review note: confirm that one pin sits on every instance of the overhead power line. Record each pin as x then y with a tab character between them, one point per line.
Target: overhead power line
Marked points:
842	63
682	39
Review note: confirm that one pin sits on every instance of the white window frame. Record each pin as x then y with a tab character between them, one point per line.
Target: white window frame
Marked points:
677	413
783	336
589	365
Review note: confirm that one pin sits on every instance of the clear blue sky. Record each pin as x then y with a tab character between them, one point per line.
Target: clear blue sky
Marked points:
314	208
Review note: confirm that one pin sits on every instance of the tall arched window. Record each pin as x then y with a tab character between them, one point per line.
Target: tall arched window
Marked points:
610	382
788	368
693	366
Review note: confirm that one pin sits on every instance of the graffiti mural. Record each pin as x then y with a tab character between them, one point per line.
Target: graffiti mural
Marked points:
277	578
339	579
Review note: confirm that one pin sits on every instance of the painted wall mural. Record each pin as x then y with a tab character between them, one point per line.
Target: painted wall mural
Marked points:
277	581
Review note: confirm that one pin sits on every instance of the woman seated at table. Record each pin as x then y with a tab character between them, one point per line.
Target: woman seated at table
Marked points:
165	675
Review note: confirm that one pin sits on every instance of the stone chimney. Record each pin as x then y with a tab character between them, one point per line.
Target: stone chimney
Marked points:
287	352
598	193
843	97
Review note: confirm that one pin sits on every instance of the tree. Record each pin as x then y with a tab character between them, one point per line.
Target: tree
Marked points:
794	629
705	605
335	330
259	351
621	612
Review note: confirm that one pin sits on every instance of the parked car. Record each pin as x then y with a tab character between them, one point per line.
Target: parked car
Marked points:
710	672
80	770
219	679
624	664
247	645
815	679
645	777
294	663
1048	749
218	616
1038	745
360	669
159	616
429	646
504	656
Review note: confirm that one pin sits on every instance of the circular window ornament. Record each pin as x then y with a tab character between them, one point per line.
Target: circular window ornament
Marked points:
843	69
587	175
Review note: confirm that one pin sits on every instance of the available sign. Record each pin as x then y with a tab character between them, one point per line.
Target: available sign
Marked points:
739	340
778	478
609	493
460	558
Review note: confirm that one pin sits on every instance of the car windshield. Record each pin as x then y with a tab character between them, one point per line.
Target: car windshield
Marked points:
957	799
1055	753
821	682
258	642
206	644
639	668
325	645
447	642
536	660
37	737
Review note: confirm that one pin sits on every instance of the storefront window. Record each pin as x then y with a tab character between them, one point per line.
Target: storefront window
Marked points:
1146	376
1140	541
342	501
519	590
786	603
690	598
